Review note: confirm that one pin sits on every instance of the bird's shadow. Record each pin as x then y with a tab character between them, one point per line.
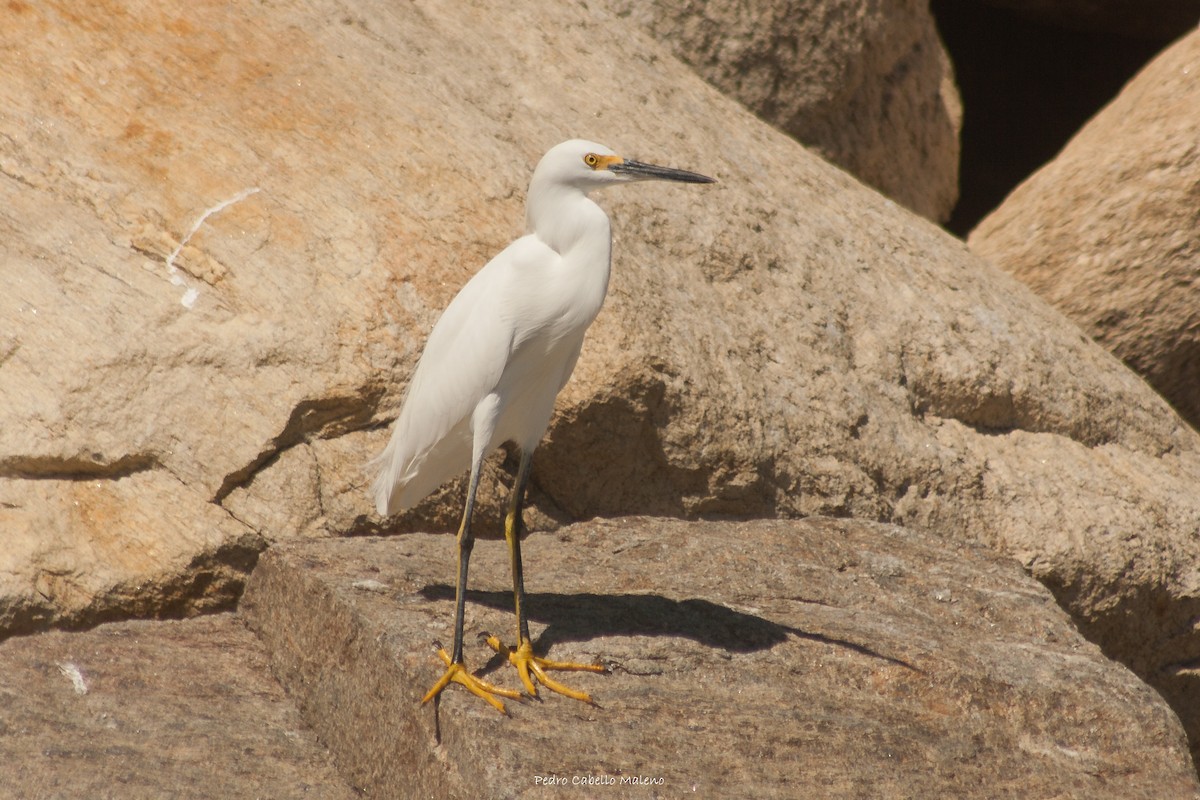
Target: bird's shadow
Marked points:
583	616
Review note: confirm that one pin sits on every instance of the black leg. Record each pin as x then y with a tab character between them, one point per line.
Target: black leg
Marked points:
455	671
514	526
466	542
529	666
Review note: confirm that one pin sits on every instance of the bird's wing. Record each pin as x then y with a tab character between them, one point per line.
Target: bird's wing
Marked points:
463	361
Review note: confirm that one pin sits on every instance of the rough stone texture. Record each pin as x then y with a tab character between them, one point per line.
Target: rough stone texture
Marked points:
791	344
867	85
1156	19
153	710
772	659
1109	231
114	546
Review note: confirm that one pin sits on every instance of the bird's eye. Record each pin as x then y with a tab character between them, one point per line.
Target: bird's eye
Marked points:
591	160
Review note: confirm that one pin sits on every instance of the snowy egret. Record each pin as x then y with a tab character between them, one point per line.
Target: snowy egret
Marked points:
493	365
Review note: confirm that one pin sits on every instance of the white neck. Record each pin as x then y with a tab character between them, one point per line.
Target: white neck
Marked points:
564	218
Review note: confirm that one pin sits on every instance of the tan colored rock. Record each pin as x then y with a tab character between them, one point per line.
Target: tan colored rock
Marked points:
1109	231
791	344
151	710
816	658
869	86
1161	19
113	546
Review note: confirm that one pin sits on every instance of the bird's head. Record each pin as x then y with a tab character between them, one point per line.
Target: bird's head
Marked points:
587	165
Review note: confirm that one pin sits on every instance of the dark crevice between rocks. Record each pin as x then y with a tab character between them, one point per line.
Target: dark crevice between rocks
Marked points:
1027	87
322	418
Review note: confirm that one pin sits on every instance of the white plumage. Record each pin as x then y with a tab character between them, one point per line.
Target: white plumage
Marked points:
507	343
495	362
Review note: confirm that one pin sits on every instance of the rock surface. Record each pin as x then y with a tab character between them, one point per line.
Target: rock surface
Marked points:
867	85
110	546
1109	231
816	658
786	343
139	710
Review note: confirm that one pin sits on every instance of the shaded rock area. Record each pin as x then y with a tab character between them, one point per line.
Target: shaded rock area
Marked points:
150	710
867	85
1109	231
1152	19
816	658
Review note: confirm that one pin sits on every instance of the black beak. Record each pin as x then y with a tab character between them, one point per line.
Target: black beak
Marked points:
638	171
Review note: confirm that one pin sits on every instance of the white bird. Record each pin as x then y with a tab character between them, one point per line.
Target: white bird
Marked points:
494	364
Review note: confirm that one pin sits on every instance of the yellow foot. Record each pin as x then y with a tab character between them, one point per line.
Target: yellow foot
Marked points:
526	662
457	673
